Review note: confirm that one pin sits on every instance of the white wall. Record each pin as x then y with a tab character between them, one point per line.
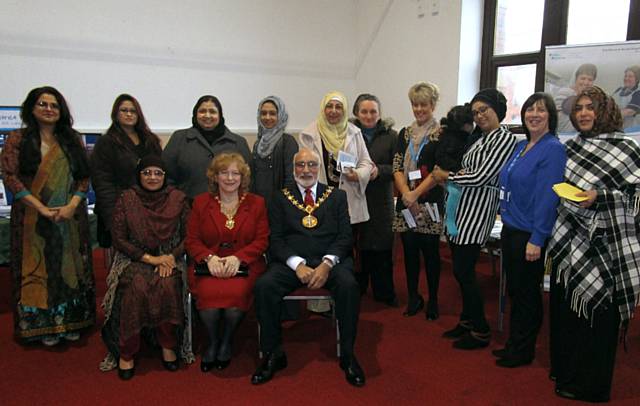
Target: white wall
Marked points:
168	53
406	49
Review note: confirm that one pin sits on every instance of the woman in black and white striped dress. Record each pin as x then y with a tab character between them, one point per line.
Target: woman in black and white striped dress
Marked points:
490	147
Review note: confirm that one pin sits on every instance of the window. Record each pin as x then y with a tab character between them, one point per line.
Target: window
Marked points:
518	26
516	32
517	83
586	15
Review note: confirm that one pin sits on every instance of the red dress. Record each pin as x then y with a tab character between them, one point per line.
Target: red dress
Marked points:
248	240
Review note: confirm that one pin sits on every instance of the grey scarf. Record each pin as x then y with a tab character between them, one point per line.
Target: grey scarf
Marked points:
269	137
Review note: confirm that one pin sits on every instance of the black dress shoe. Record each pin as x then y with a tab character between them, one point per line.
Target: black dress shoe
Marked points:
566	394
432	311
220	365
352	371
414	308
458	331
510	361
472	340
390	302
271	364
171	366
500	352
126	374
207	366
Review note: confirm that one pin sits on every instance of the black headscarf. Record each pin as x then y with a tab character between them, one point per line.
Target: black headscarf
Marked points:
495	99
218	131
149	161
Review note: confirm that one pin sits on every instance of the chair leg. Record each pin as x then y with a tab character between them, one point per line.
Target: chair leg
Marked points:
260	355
189	327
338	352
335	323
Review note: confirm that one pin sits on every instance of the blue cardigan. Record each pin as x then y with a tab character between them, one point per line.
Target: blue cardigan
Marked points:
527	201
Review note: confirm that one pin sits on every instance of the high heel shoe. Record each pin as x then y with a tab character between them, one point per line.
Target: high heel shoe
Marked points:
220	365
432	311
126	374
413	309
171	366
207	366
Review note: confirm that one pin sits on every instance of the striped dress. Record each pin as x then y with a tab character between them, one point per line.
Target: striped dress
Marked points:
478	179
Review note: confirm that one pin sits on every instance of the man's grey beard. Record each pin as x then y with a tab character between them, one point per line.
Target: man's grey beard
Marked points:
305	182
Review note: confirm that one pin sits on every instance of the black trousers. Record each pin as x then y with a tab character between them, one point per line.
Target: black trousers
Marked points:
280	280
377	266
429	244
524	279
464	258
583	351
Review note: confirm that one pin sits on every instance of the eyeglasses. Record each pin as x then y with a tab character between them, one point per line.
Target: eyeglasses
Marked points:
156	172
308	164
127	111
233	174
44	105
481	110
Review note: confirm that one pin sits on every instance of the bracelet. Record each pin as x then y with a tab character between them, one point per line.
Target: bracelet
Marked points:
206	260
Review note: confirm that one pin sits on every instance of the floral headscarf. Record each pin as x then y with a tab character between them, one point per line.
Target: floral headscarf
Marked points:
608	117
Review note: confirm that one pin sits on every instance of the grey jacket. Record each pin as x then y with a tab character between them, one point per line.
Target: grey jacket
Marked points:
188	154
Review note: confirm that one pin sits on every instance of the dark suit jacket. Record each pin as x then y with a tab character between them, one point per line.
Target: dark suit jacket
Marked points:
332	235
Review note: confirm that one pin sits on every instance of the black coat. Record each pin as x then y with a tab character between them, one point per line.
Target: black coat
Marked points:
332	235
376	233
113	169
269	175
451	147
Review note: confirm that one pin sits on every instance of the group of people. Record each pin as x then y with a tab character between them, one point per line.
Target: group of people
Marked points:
319	212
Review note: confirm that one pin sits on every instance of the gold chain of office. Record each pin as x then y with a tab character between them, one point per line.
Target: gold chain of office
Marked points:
308	221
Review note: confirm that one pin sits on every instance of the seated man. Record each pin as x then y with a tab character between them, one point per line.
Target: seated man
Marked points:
310	245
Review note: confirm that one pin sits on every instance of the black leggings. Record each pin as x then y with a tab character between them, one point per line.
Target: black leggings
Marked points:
429	244
464	259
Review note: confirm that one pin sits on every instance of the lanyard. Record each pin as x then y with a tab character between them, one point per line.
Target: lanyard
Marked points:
414	155
513	162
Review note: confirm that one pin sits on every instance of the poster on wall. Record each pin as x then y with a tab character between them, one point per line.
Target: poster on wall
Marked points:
615	67
9	121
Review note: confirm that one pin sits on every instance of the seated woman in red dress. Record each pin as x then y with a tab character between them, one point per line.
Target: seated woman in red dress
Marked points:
145	282
228	230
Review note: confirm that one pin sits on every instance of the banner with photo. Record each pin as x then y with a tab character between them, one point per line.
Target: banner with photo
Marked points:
615	67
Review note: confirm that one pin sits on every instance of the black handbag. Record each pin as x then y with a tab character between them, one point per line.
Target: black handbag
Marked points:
201	269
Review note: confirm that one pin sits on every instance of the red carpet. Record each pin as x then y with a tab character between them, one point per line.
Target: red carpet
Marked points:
405	359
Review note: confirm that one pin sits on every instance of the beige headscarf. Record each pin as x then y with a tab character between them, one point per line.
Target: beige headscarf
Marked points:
333	136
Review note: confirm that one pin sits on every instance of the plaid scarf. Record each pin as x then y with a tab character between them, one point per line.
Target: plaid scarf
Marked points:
596	250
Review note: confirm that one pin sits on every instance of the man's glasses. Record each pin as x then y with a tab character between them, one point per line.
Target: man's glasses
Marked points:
156	172
308	164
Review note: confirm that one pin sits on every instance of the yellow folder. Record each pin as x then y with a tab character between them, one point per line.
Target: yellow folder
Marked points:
568	191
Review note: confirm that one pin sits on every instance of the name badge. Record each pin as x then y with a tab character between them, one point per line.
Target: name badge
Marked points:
415	175
504	195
